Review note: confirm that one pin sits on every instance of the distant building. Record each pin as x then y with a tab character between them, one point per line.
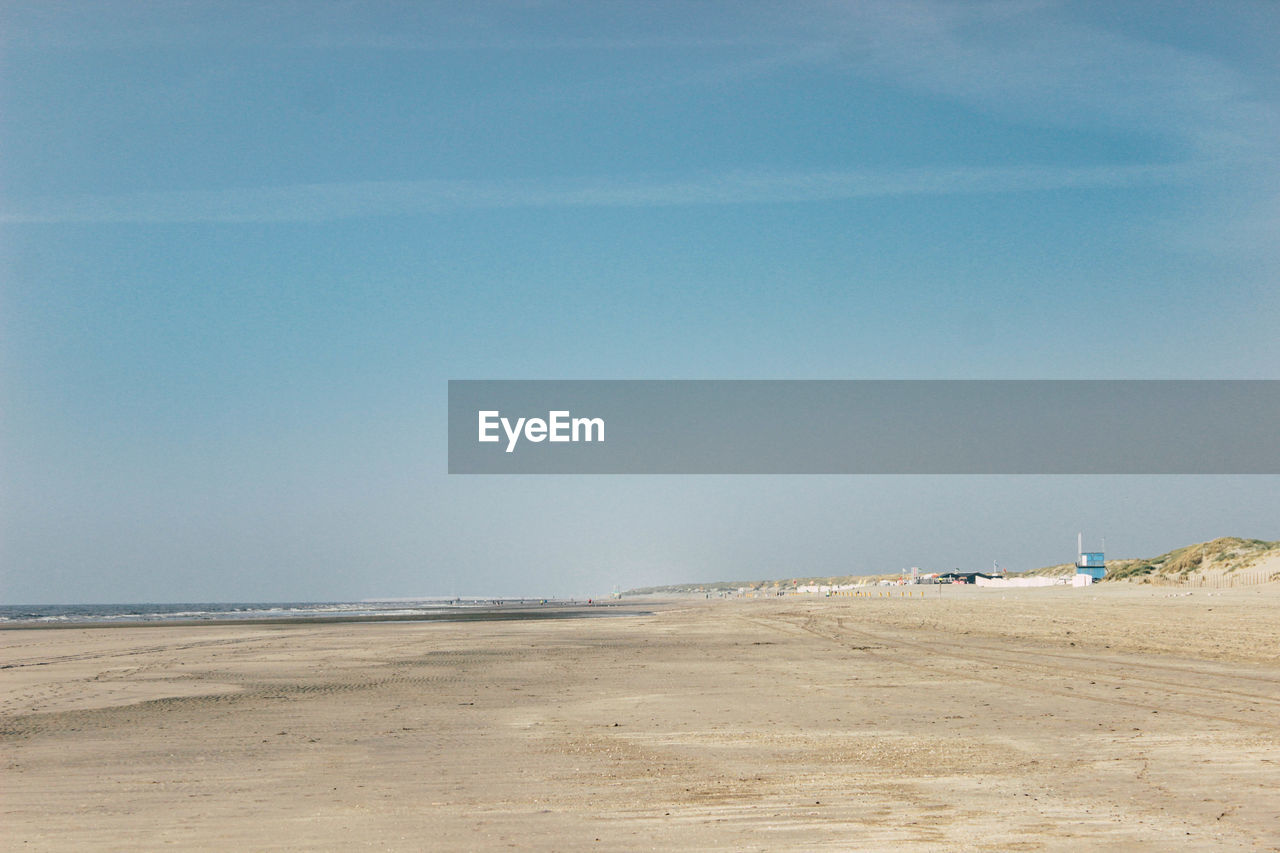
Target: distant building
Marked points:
962	577
1091	563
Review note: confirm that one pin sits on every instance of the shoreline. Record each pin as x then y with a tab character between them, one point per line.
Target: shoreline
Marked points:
481	613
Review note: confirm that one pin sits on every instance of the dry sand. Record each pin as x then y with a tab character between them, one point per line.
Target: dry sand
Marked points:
1055	719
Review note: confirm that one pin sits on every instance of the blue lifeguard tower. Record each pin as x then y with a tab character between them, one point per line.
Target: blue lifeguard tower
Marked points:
1092	563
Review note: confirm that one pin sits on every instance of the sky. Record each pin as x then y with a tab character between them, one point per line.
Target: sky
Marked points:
244	246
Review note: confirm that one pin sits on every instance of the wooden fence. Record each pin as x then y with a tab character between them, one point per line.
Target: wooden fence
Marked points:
1213	580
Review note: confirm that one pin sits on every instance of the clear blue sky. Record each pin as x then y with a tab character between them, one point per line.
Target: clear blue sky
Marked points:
243	247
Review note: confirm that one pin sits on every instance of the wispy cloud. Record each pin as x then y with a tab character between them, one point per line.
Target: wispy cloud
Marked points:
1028	61
348	200
1037	61
1052	64
1032	60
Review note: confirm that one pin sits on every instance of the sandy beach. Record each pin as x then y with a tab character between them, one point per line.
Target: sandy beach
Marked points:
1117	717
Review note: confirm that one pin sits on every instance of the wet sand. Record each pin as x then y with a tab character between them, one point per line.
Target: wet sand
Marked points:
1115	717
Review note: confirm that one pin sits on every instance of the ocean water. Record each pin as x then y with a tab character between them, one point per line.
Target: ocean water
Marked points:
38	614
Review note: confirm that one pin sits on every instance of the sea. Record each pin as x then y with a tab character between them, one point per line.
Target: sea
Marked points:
13	615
